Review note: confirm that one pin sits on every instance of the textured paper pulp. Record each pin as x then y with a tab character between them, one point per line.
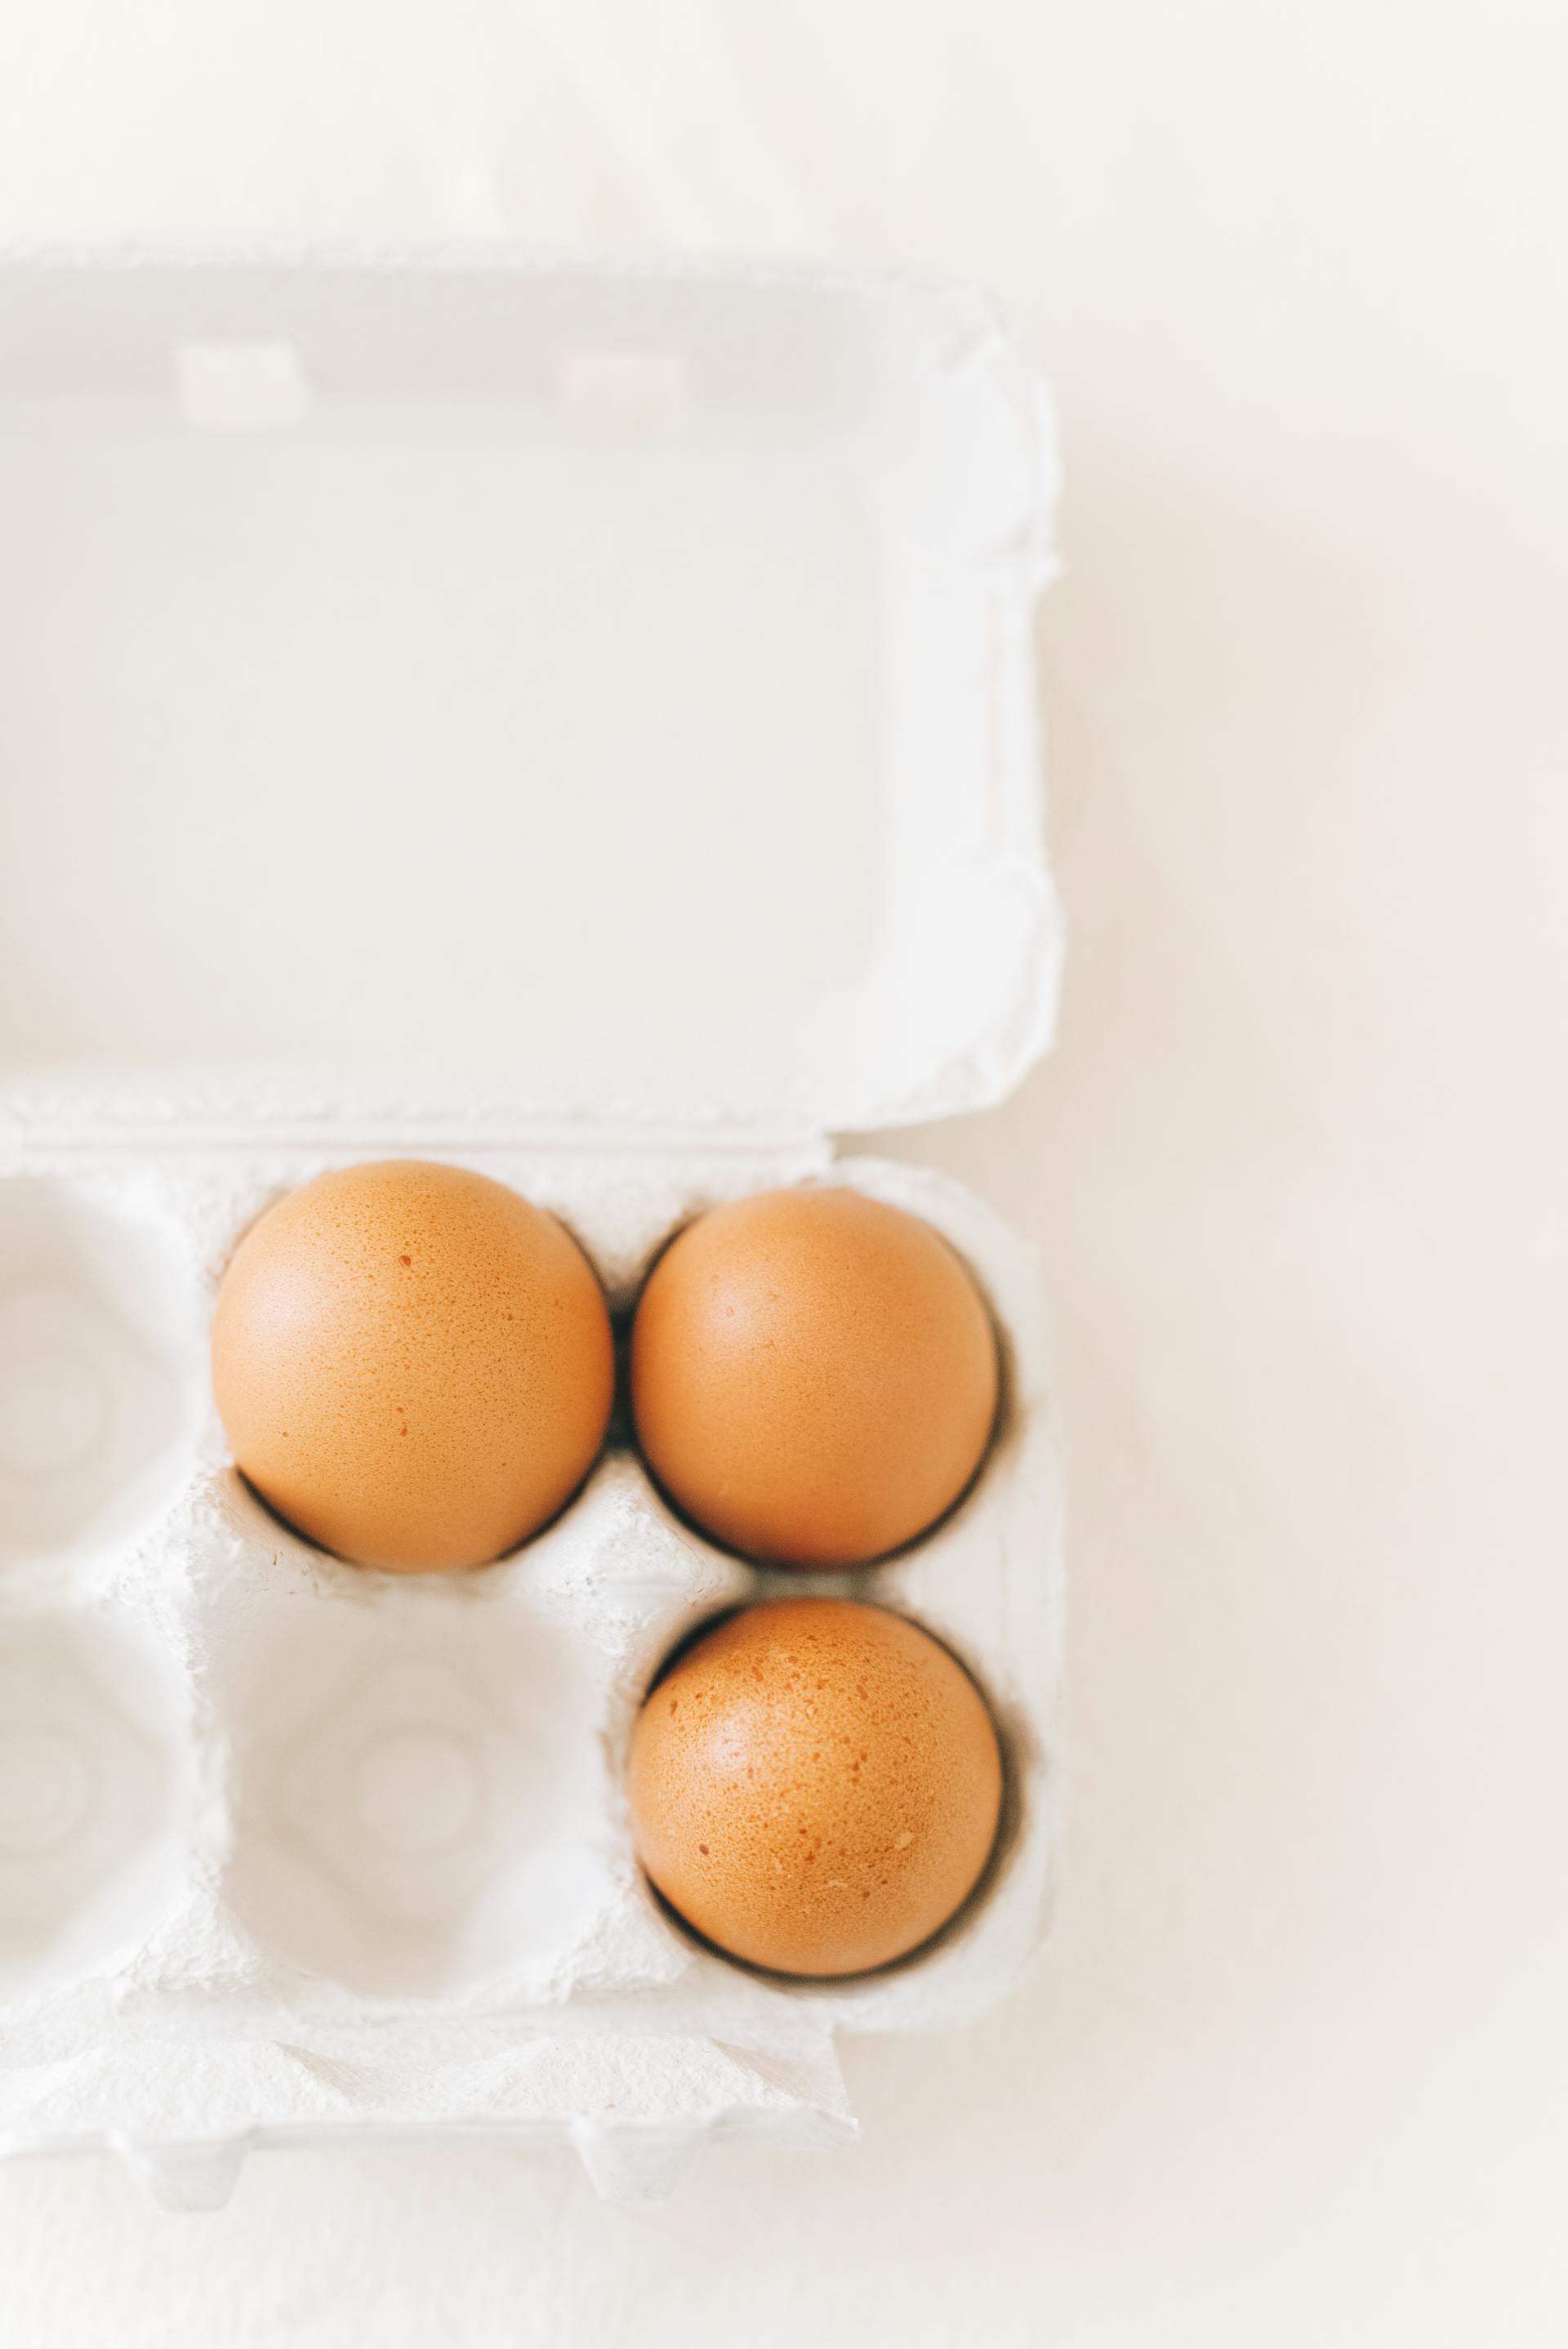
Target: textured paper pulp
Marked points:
577	725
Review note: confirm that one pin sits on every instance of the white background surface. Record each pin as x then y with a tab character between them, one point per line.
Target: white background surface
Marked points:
1294	2072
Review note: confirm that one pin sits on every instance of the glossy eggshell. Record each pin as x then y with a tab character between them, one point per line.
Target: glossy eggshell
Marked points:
413	1364
814	1376
815	1787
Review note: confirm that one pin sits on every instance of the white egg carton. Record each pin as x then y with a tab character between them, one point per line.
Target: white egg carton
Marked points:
578	726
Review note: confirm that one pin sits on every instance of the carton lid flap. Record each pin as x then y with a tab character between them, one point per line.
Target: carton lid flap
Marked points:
602	698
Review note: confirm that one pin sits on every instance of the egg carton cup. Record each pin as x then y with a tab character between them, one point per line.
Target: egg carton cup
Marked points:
291	1850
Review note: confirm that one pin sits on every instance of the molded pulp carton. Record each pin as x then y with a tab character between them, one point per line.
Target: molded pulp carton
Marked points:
578	725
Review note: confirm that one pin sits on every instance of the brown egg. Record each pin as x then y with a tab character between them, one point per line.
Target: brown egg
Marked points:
413	1365
815	1787
814	1376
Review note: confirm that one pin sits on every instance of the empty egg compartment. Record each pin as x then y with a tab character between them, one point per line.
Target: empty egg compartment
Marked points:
103	1379
418	1769
414	1776
101	1837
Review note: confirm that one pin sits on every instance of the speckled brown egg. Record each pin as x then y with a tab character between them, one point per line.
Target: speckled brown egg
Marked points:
414	1366
814	1376
815	1787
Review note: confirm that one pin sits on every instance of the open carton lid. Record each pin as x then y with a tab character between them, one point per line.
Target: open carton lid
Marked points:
555	695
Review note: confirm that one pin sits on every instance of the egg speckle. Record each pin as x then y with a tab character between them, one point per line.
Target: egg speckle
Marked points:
814	1376
815	1787
413	1364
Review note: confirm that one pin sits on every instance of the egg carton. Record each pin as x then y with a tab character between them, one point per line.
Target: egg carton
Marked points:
580	724
290	1849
